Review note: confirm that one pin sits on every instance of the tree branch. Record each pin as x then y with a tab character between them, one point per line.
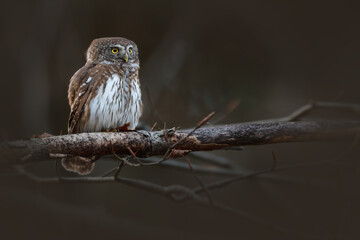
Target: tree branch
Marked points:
146	143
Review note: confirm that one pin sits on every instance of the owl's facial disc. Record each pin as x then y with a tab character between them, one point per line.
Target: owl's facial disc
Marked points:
113	50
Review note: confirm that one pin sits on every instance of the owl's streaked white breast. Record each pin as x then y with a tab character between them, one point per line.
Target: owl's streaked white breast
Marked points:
117	103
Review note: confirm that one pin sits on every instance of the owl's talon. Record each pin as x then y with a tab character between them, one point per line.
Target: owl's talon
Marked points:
110	130
124	128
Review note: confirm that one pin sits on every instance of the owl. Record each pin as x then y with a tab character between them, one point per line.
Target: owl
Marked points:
105	93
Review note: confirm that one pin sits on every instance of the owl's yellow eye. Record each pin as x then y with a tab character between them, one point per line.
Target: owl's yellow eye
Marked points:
130	50
114	50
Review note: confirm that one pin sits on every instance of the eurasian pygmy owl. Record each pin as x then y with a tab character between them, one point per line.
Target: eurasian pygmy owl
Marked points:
105	93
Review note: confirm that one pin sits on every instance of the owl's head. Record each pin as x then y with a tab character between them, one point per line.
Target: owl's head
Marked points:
112	50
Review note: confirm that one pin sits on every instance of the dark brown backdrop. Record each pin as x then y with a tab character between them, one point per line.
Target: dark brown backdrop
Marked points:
196	56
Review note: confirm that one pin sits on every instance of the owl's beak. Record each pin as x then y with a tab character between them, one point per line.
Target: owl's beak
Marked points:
125	57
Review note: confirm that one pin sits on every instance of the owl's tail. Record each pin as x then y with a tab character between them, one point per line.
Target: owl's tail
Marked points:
79	165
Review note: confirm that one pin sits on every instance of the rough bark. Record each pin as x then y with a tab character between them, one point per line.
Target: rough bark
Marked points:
145	144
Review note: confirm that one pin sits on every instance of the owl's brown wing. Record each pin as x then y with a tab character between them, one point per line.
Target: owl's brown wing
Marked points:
80	88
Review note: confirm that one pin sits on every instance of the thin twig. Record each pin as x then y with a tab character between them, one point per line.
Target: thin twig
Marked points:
307	108
199	125
122	158
137	159
131	151
121	165
230	107
111	171
153	127
200	182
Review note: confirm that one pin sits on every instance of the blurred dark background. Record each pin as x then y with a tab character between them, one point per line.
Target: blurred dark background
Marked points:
196	57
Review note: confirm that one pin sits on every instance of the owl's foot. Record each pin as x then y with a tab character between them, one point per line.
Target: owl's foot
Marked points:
124	128
111	130
119	129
